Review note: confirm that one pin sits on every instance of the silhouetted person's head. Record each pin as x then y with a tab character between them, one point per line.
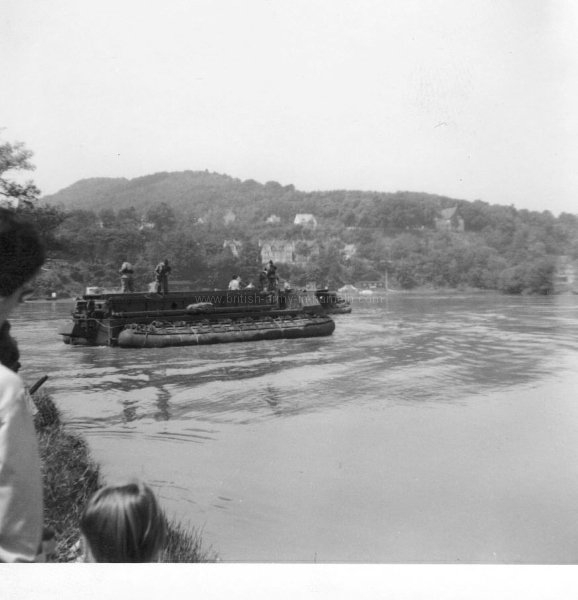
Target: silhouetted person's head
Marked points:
21	252
21	256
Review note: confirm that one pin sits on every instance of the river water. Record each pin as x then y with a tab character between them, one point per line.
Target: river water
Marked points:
425	429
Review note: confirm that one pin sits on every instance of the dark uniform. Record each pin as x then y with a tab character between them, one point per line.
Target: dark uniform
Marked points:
272	278
263	281
126	281
162	276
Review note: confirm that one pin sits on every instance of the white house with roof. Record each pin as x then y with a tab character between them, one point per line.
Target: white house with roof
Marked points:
288	252
277	250
229	217
143	225
348	251
234	245
305	220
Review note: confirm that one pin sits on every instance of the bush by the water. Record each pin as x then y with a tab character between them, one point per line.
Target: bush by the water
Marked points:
71	477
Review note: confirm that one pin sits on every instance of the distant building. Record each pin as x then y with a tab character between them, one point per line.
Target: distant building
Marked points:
143	225
305	220
349	251
291	253
450	220
274	219
278	251
234	245
229	217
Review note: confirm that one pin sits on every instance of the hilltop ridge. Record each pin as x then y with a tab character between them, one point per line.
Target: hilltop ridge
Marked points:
203	193
178	189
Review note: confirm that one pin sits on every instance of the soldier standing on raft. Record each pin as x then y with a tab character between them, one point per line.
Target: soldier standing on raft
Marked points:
162	273
126	280
263	281
235	283
272	277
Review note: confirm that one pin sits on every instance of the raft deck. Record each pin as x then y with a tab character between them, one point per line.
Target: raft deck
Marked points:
103	319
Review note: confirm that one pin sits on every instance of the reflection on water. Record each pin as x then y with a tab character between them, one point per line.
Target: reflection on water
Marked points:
396	439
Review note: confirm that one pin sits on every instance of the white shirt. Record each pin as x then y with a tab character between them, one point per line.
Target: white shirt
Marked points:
234	284
21	507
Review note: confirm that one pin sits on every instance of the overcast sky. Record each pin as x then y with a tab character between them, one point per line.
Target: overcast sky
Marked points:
465	98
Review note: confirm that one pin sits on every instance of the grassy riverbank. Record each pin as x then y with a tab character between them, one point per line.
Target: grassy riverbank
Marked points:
71	477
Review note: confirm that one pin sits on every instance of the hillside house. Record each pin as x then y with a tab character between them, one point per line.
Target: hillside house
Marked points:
305	220
235	246
292	253
229	217
278	251
273	219
450	220
143	225
348	251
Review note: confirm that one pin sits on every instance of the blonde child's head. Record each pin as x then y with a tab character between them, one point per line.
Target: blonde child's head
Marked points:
123	523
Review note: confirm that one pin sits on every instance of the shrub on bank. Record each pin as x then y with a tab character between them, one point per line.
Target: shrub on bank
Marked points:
528	278
70	477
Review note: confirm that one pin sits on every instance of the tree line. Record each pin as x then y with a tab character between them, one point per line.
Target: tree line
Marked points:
507	250
93	226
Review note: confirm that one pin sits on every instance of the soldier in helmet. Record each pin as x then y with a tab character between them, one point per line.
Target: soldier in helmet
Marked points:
126	277
162	273
272	277
263	281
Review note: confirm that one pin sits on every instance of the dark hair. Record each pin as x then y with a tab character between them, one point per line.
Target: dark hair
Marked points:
21	252
124	523
9	353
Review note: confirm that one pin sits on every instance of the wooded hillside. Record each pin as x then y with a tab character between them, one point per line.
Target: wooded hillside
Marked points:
212	226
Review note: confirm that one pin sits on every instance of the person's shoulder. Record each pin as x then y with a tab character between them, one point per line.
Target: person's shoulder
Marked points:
9	377
11	385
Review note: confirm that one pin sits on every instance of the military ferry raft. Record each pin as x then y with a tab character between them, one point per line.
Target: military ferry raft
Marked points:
152	320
